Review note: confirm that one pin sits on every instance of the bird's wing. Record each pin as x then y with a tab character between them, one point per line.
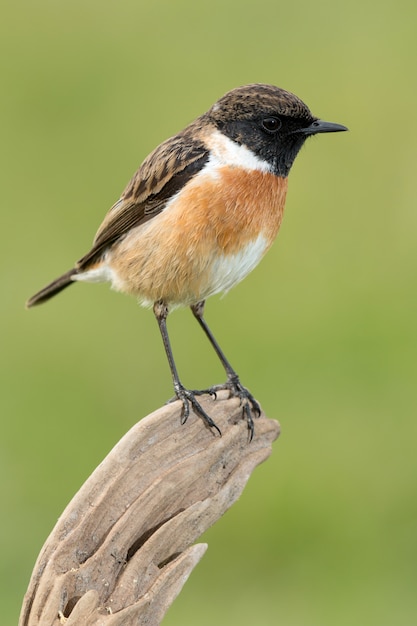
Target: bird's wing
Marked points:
163	173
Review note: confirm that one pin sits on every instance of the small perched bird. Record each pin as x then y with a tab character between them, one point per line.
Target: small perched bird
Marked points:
199	214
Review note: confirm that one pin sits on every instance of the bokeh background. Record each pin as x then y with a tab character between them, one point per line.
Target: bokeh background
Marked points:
323	332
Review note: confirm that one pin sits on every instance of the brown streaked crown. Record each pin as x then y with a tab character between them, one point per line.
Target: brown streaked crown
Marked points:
243	102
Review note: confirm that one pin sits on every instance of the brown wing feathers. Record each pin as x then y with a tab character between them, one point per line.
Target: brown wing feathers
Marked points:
135	208
163	173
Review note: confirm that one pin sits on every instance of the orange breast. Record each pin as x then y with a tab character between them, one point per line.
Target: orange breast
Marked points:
217	216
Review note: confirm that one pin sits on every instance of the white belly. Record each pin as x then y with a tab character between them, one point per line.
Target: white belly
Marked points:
228	270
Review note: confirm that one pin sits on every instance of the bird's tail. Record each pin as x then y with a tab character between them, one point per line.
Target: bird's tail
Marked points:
52	289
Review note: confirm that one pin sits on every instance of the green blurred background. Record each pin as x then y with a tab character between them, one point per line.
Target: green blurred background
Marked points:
323	332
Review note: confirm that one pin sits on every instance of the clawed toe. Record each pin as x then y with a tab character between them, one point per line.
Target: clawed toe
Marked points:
188	399
247	401
211	391
250	406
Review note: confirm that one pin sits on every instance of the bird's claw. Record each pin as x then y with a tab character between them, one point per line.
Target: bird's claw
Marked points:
234	387
187	397
203	392
247	401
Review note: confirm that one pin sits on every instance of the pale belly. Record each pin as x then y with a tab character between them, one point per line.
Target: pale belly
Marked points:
228	270
202	244
178	285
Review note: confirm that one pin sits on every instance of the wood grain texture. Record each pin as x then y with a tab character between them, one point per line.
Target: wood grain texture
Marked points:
124	546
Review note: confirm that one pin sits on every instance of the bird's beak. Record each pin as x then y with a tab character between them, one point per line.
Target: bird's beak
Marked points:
320	126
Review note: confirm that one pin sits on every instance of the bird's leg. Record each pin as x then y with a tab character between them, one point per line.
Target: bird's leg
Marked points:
233	383
186	396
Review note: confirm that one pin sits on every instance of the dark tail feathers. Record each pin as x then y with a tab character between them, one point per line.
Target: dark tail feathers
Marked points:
52	289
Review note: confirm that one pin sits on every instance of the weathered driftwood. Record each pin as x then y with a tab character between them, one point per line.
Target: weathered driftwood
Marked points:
123	548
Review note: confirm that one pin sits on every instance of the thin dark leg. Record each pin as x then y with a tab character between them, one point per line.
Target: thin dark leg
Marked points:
233	383
198	312
186	396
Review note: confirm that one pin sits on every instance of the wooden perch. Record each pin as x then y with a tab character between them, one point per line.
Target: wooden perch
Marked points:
123	548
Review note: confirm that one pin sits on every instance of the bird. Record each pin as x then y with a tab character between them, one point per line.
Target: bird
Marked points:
199	215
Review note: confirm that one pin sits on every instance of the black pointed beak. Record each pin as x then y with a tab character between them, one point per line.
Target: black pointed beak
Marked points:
320	126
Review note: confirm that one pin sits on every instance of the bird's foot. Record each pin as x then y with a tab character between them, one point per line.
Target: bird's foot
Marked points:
188	399
247	401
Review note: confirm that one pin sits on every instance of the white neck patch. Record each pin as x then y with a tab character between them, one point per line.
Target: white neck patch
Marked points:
224	151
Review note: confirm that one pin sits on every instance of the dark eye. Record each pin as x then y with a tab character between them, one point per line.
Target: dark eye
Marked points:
271	124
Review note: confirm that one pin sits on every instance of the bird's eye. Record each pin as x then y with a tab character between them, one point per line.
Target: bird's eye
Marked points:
271	124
